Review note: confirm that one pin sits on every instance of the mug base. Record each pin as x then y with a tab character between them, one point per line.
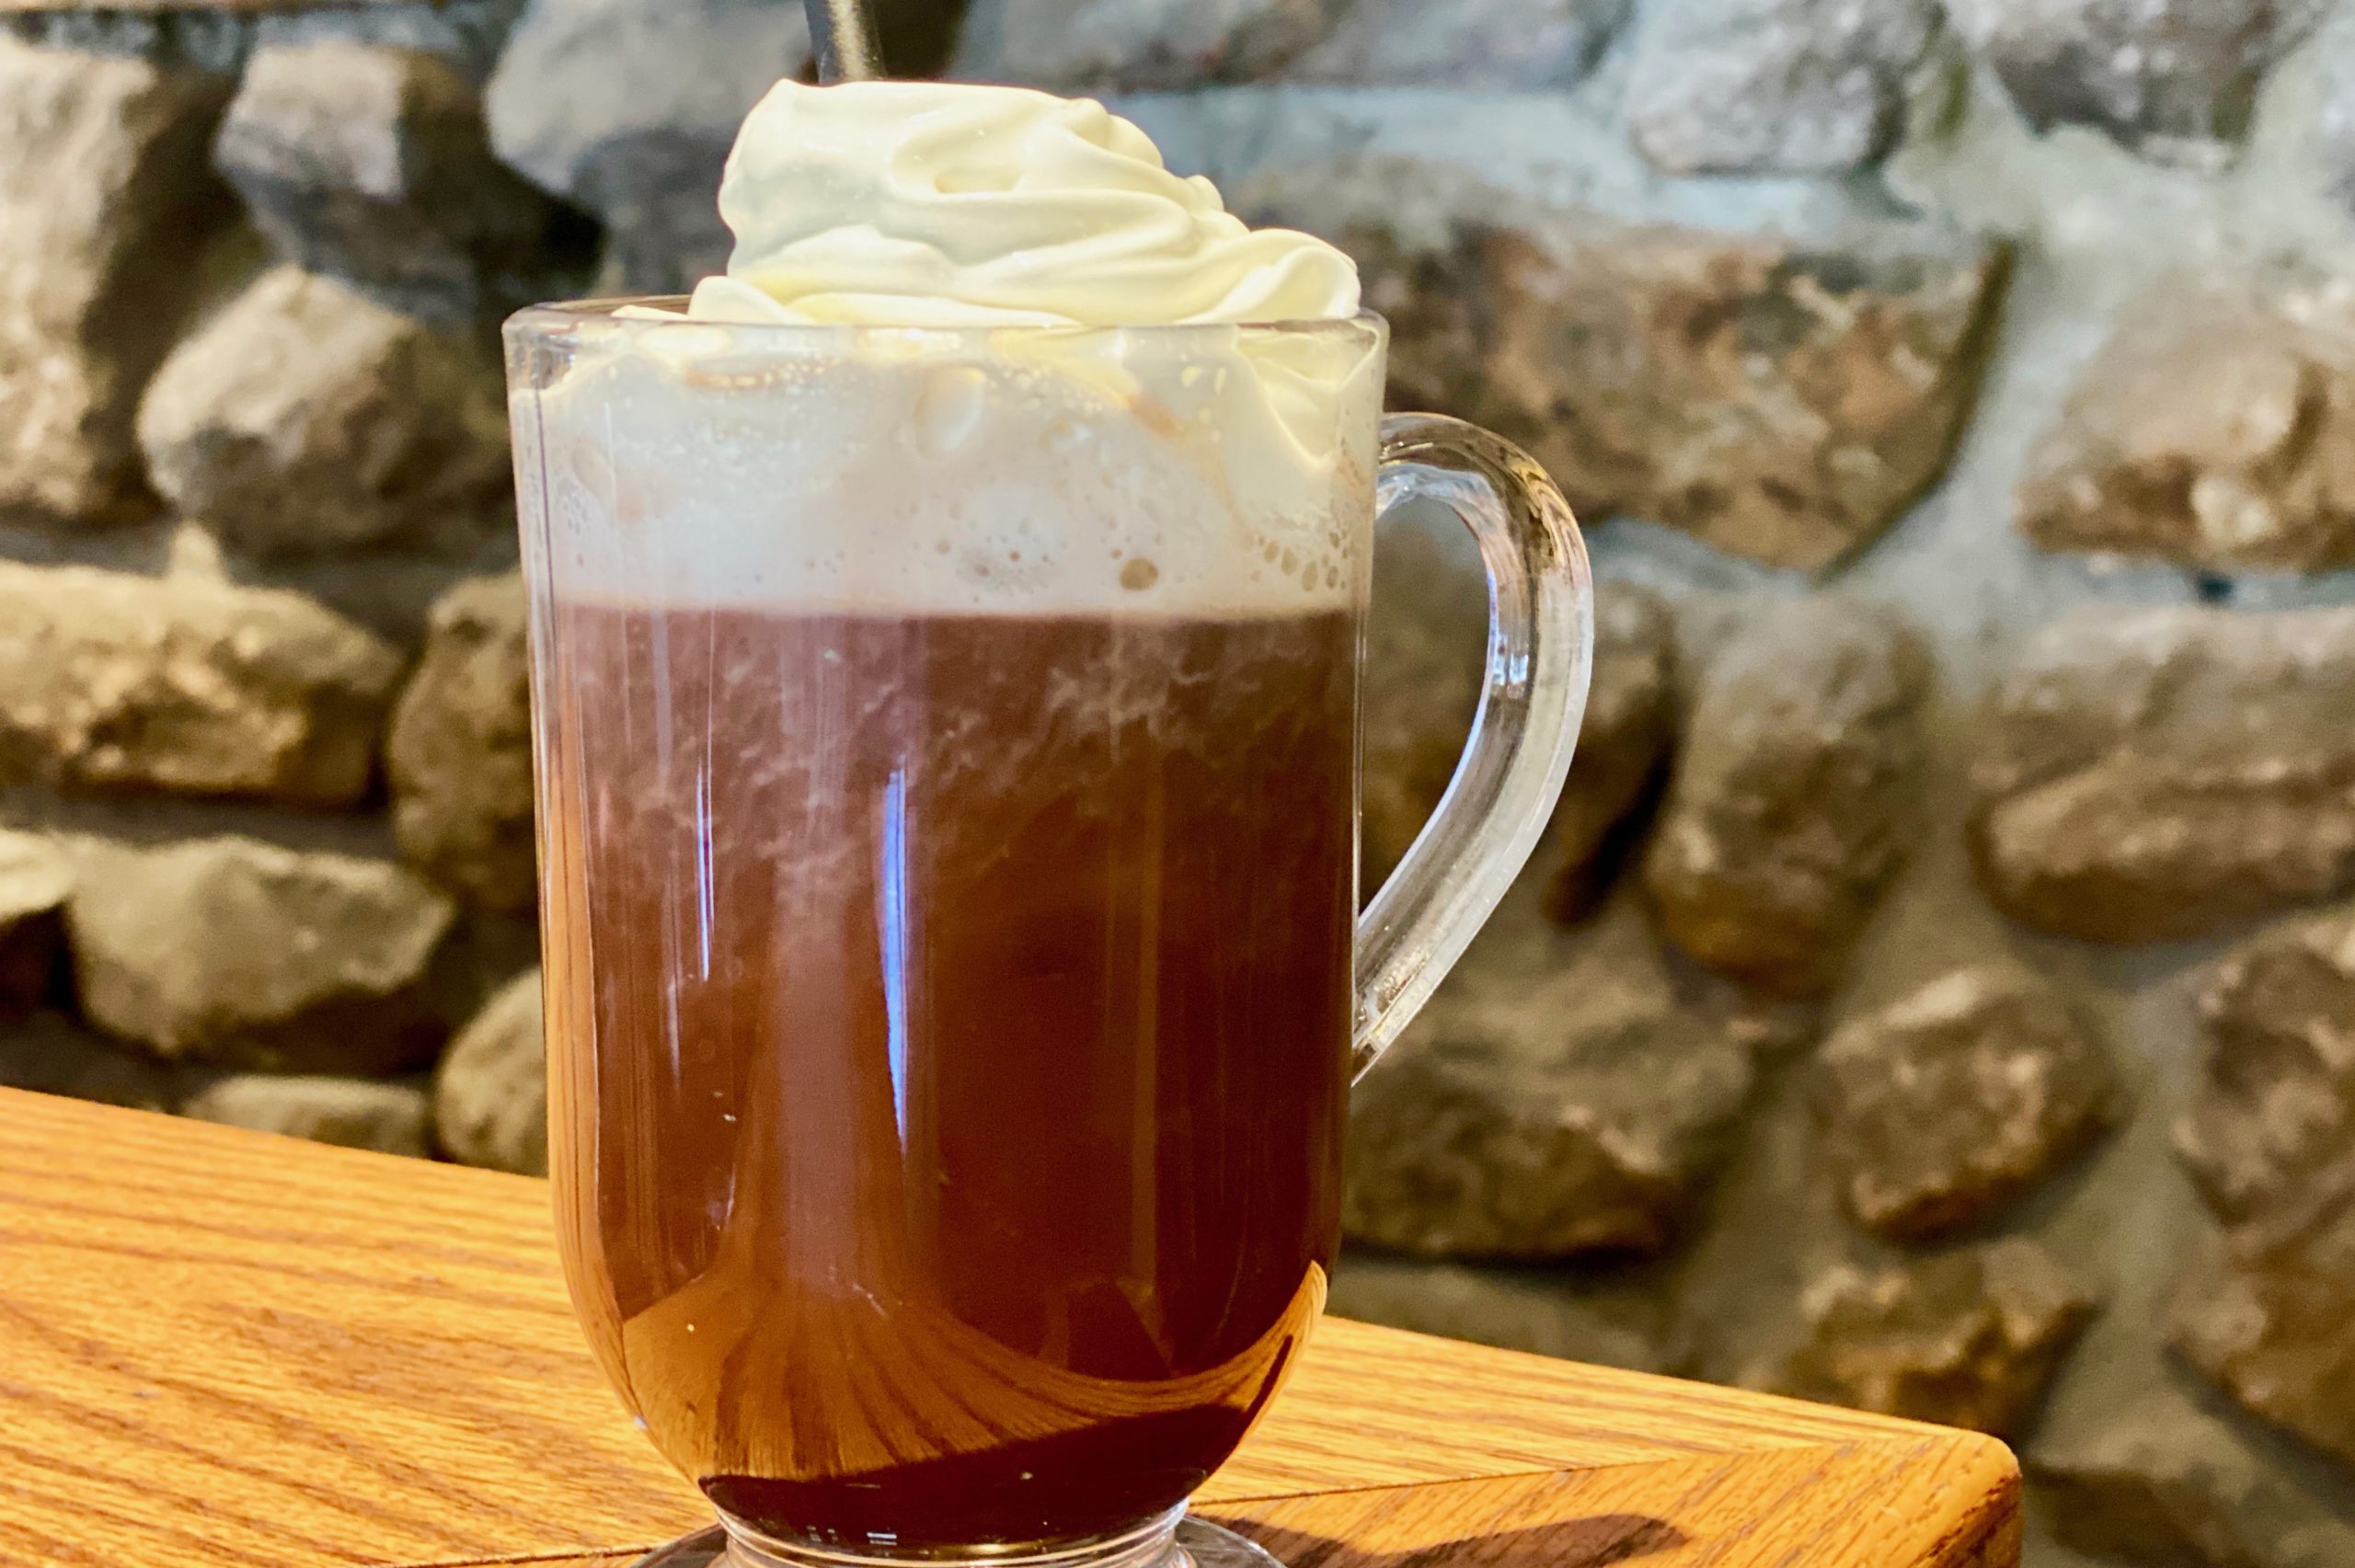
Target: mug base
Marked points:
1192	1543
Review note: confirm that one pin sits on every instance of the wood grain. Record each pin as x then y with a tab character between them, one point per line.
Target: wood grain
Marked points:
226	1349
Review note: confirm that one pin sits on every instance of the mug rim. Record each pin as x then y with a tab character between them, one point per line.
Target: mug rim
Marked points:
559	317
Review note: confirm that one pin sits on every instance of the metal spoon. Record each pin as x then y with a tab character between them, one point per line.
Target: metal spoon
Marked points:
844	35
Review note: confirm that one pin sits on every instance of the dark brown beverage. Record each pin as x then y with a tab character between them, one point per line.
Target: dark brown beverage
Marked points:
949	1019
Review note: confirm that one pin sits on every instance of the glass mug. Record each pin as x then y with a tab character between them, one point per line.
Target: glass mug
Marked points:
947	746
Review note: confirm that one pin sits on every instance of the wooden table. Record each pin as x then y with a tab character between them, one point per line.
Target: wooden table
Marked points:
221	1348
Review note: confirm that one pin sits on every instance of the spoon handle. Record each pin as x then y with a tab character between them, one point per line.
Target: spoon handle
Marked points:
843	36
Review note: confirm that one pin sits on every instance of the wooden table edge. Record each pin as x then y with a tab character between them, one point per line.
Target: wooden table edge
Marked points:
1970	1514
1981	1534
2002	1465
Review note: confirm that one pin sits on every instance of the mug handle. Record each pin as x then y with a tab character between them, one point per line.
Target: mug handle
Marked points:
1541	652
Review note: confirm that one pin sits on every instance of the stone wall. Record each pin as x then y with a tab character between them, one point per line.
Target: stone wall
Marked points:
1936	991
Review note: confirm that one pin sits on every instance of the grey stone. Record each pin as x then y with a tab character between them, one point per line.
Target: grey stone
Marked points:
1561	1094
1501	156
387	1117
1783	399
255	955
2162	773
2172	79
305	418
1547	1312
2333	124
1498	44
459	752
105	201
1425	645
371	163
1775	86
1793	802
1940	1109
34	877
2273	1116
1135	45
490	1096
50	1053
186	686
2216	428
2158	1484
628	107
212	41
1970	1338
466	34
2270	1318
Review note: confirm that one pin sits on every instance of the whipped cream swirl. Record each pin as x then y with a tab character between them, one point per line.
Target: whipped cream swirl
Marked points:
941	204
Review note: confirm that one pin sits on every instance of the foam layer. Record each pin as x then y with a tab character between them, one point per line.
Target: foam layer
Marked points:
1204	472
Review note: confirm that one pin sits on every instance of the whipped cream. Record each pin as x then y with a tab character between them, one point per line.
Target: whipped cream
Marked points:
940	204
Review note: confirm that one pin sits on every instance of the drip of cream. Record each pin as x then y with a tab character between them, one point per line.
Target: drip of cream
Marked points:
953	204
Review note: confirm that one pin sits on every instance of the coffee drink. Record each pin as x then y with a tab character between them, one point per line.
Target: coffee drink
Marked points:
948	766
949	1017
946	627
946	633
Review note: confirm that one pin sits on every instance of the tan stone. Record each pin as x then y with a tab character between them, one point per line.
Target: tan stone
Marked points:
186	686
1970	1338
1561	1094
2270	1137
2155	774
459	753
1785	399
2273	1115
2160	1481
1785	403
106	201
387	1117
2270	1318
1793	801
490	1096
251	955
370	162
1942	1108
1624	744
2216	429
306	419
627	108
1425	639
